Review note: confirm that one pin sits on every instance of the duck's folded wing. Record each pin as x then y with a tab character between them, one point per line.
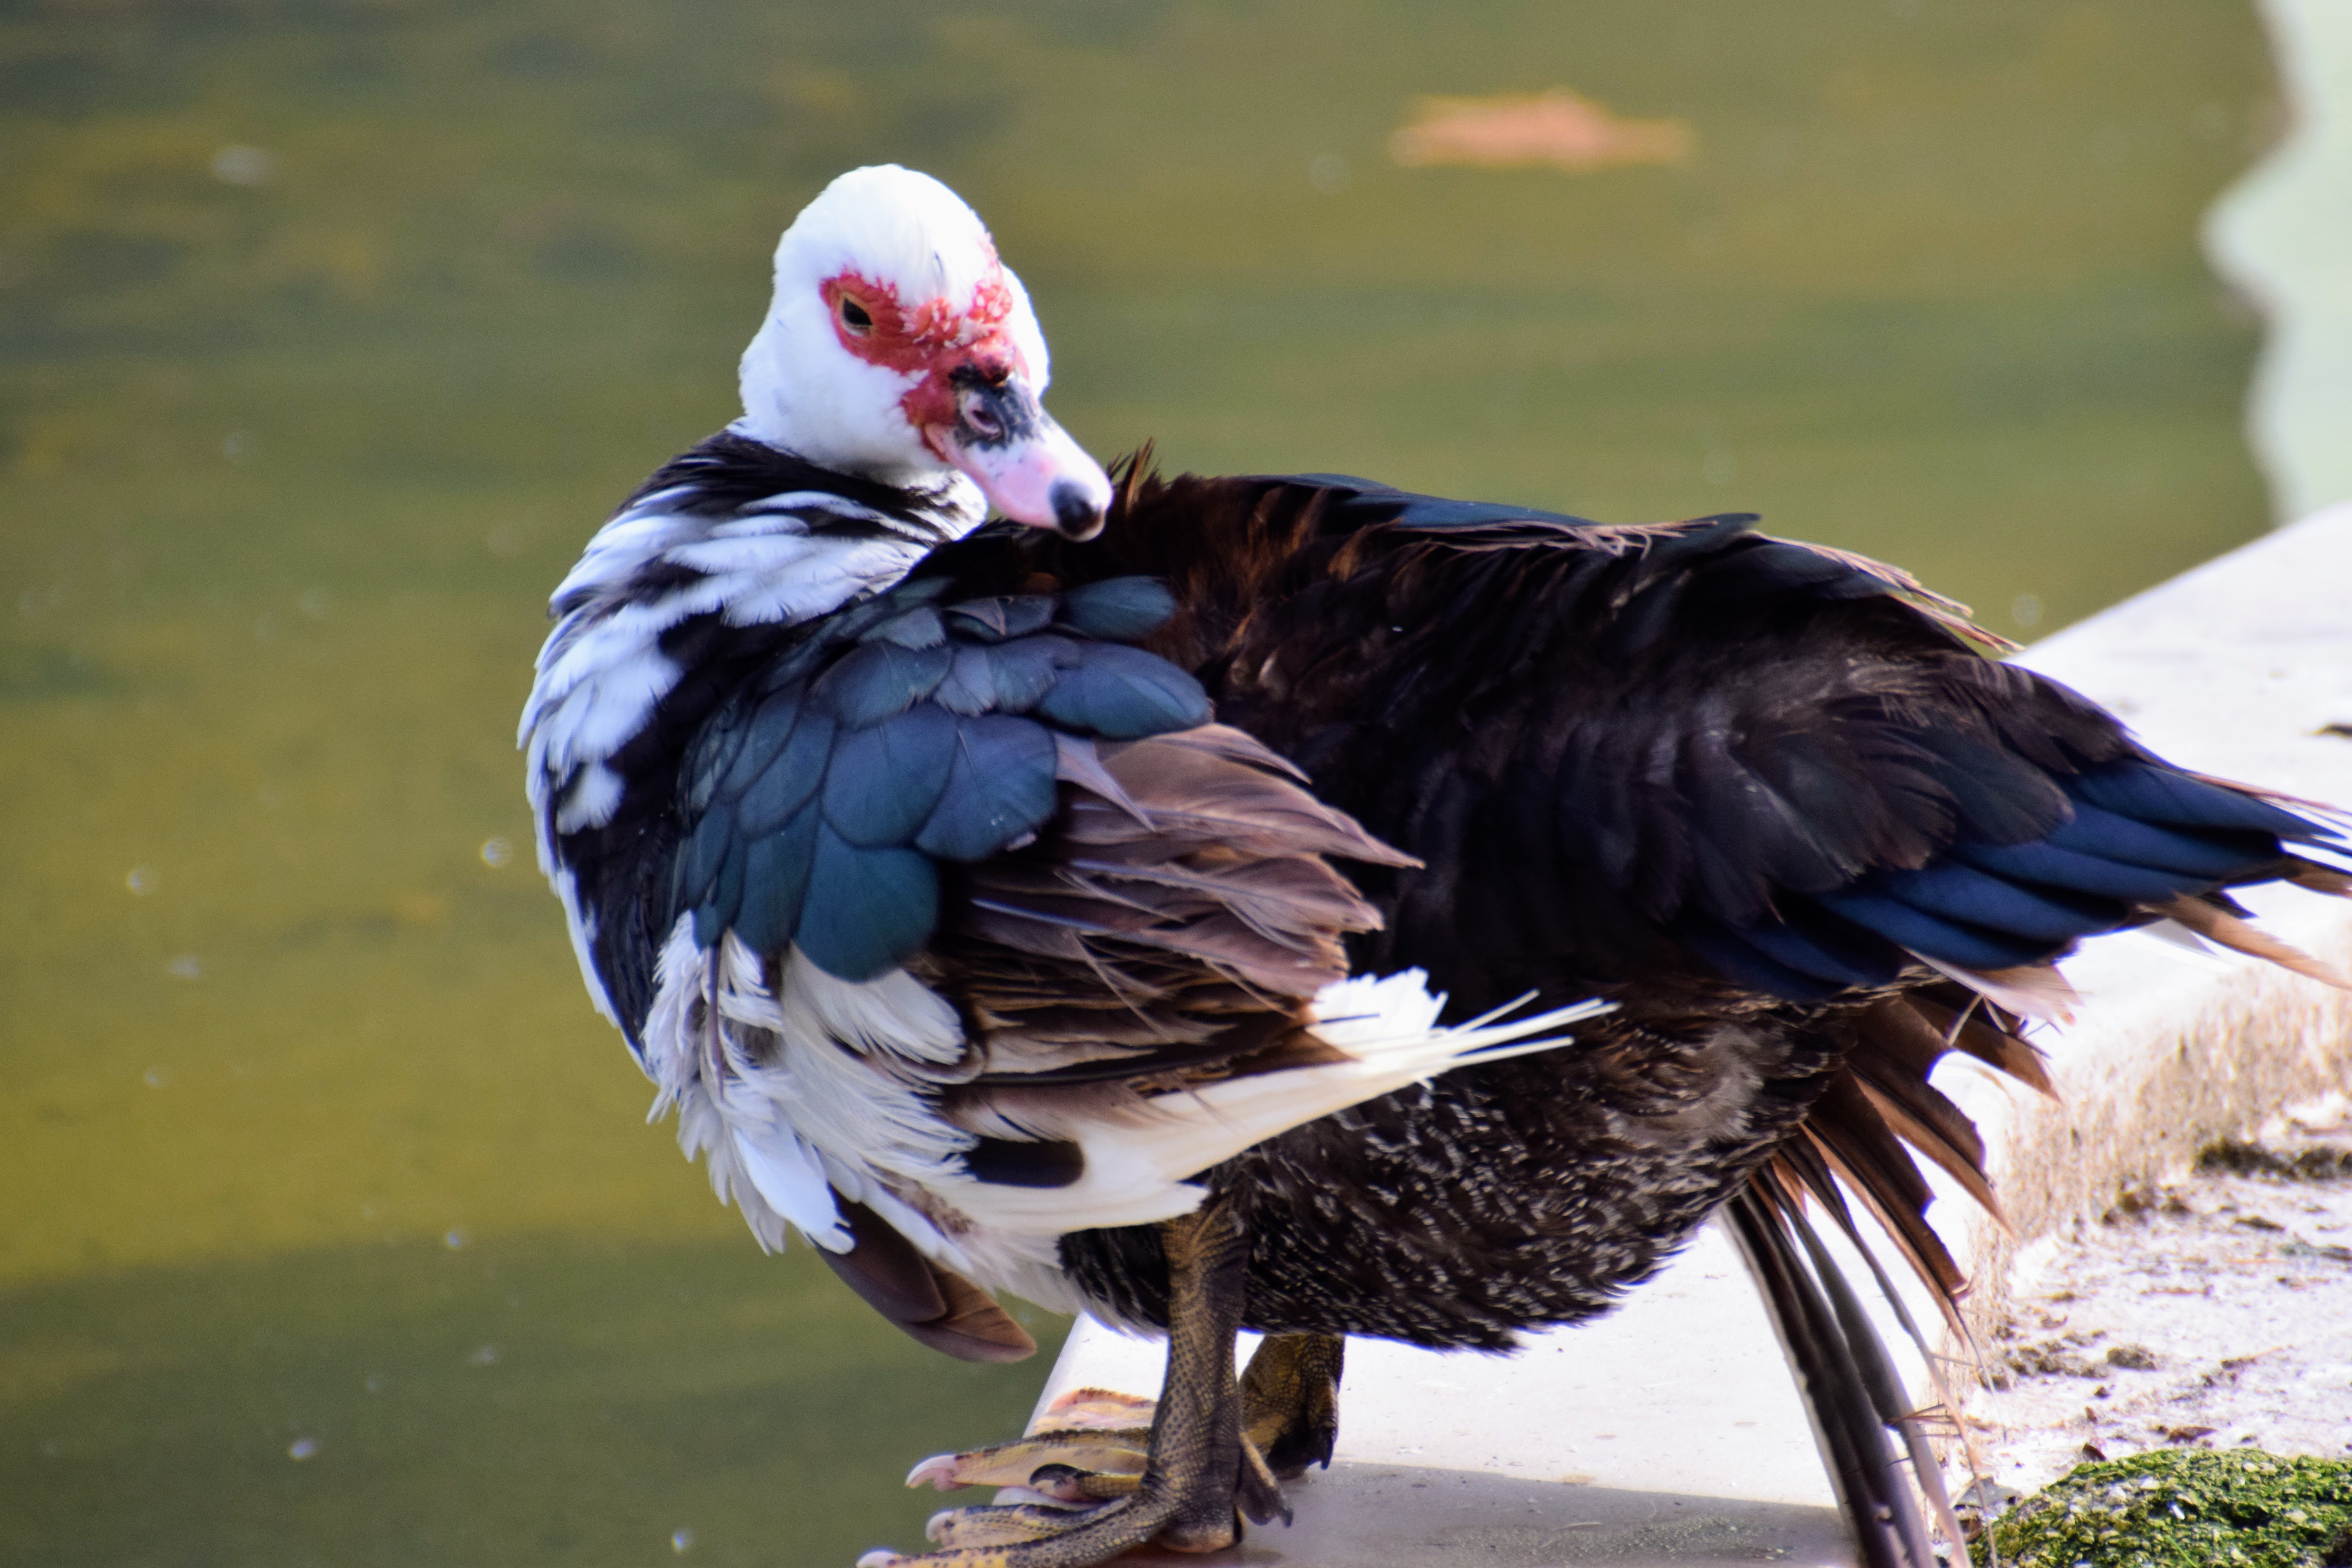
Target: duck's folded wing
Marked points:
1689	746
1802	768
821	802
980	930
1723	769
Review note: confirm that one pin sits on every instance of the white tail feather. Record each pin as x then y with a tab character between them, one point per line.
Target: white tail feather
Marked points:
2177	942
1137	1168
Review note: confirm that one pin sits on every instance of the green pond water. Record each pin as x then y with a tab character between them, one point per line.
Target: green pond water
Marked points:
329	1231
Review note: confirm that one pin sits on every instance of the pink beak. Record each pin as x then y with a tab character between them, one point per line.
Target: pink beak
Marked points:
1028	466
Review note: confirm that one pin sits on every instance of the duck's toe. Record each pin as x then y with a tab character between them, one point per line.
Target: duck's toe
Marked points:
1088	1432
1290	1400
1034	1535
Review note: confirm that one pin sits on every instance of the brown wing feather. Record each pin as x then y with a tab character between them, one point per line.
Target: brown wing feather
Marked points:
1857	1143
2216	924
1890	1061
935	1305
1169	926
973	1327
1880	1105
2319	878
1969	1031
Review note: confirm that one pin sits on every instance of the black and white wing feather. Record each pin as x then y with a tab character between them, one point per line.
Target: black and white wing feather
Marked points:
712	567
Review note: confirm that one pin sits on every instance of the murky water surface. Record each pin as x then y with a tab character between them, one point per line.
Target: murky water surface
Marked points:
328	330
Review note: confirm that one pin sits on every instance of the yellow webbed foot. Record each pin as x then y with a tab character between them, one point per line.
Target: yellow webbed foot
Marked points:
1087	1432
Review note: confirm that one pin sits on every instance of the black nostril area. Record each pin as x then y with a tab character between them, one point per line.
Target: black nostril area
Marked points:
981	420
1074	512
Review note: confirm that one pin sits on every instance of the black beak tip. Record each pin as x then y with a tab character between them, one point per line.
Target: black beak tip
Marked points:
1076	515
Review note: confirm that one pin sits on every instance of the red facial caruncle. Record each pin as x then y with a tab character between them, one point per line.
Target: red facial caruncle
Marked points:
971	400
933	340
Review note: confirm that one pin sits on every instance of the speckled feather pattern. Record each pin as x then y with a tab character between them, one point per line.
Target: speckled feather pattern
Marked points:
1460	1212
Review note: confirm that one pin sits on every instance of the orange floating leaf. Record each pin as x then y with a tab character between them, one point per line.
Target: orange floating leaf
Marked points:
1559	128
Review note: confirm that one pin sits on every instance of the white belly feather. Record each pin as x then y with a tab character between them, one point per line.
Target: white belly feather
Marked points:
829	1086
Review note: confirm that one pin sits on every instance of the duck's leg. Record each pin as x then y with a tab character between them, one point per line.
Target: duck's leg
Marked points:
1199	1474
1092	1444
1290	1400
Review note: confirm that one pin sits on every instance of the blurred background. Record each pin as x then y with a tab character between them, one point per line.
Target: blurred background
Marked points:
330	329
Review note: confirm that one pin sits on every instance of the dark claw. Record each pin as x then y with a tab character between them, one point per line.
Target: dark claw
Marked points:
1257	1494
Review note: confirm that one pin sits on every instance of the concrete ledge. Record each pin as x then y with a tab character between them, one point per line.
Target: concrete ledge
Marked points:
1670	1433
1365	1515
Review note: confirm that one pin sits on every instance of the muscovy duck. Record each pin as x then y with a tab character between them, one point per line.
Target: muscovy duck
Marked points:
1296	904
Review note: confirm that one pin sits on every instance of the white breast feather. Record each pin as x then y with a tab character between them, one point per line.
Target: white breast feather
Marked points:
833	1096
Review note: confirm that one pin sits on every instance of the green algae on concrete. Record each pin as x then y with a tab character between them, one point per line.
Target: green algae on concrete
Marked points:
2177	1508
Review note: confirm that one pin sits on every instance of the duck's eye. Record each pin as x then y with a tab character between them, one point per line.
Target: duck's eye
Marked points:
853	317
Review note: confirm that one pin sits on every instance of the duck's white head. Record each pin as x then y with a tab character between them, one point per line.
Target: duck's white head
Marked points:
899	347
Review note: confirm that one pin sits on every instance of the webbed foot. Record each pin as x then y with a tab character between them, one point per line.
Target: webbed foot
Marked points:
1187	1485
1090	1445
